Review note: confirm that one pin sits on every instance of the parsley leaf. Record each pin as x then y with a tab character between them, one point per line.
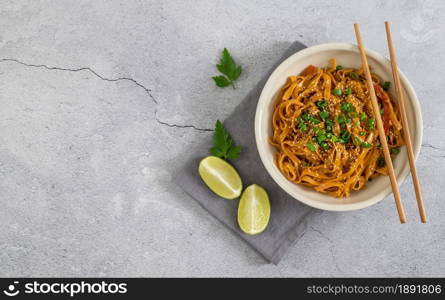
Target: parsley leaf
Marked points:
228	67
223	143
221	81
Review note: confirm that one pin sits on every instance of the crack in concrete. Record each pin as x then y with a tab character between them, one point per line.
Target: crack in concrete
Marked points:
432	147
180	126
129	79
331	247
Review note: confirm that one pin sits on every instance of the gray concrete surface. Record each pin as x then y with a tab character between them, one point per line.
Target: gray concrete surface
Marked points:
100	100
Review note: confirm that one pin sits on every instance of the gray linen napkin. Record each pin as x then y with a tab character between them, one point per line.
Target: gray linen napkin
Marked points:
289	217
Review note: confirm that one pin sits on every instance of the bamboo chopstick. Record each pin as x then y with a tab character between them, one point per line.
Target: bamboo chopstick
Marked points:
382	136
406	134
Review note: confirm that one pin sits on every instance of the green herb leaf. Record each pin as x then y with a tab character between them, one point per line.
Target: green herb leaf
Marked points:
306	116
325	146
321	138
318	131
357	141
354	75
311	118
339	67
395	150
381	162
324	115
348	91
234	152
321	104
312	147
228	67
337	92
302	126
341	119
386	85
345	136
221	81
223	143
347	107
371	123
366	145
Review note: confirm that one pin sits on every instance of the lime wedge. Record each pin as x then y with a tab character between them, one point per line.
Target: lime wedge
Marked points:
220	177
253	210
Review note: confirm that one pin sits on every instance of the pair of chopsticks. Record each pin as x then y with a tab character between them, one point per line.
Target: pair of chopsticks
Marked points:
382	136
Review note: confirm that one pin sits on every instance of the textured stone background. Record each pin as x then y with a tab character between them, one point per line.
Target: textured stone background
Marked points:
100	100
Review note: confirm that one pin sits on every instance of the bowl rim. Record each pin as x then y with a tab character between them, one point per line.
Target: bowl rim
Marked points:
269	165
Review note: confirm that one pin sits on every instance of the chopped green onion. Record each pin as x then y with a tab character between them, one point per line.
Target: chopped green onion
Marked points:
321	138
353	75
302	126
339	67
382	111
348	91
356	141
334	138
310	118
314	120
347	107
395	150
321	104
312	147
371	123
329	135
362	116
366	145
345	135
341	119
386	85
337	92
325	146
324	115
362	133
381	162
348	120
318	130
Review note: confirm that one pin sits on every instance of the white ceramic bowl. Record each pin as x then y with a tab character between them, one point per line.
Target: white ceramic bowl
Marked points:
347	55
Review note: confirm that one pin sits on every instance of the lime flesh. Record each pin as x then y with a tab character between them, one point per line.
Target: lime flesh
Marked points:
254	210
220	177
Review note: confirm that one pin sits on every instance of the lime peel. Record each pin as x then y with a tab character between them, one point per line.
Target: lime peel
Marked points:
220	177
254	210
